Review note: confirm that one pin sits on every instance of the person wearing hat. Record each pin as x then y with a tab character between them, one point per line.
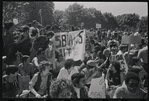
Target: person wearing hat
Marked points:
39	85
92	71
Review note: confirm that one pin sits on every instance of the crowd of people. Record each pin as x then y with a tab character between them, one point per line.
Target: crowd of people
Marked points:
30	71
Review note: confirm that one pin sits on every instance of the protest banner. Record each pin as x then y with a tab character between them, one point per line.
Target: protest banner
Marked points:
97	88
72	44
98	25
131	39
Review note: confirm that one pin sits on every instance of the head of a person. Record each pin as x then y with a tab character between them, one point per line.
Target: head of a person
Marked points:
97	47
18	56
25	59
50	34
25	30
78	80
132	81
40	52
123	48
42	31
106	52
55	28
35	23
115	66
45	66
12	70
113	47
69	64
136	61
90	64
29	24
9	26
61	88
48	28
135	69
34	32
60	57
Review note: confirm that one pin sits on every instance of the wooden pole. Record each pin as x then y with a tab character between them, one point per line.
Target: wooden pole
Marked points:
40	15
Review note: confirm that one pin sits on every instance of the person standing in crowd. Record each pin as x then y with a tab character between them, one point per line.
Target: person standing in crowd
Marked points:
40	56
67	71
42	31
26	70
35	25
11	83
39	85
78	80
59	63
131	88
24	41
122	49
48	28
61	88
143	55
9	40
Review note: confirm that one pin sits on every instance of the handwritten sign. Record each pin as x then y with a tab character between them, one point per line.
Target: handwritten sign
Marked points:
98	25
131	39
97	88
71	44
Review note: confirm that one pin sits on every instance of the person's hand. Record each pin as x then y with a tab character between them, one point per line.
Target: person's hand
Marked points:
38	96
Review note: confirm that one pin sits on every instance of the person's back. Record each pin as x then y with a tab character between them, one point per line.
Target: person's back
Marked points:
143	54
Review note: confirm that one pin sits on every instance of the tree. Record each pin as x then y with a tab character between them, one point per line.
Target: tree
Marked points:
74	14
46	12
59	17
13	10
143	24
127	21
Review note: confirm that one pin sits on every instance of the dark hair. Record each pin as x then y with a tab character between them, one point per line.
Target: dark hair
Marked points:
121	47
24	58
34	32
25	28
69	63
54	27
20	54
75	78
48	27
8	25
116	65
58	85
134	70
131	75
11	69
50	33
29	24
134	60
39	51
113	44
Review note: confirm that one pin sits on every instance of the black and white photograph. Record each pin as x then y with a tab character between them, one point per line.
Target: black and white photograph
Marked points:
74	50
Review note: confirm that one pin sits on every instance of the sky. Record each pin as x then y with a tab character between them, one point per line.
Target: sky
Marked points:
116	8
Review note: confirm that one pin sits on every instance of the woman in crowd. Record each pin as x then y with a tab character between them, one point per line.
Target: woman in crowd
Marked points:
131	88
60	61
115	76
11	83
40	56
78	80
61	88
17	59
26	69
40	83
67	71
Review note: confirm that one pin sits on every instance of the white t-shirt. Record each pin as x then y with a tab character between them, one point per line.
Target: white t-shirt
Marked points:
63	74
